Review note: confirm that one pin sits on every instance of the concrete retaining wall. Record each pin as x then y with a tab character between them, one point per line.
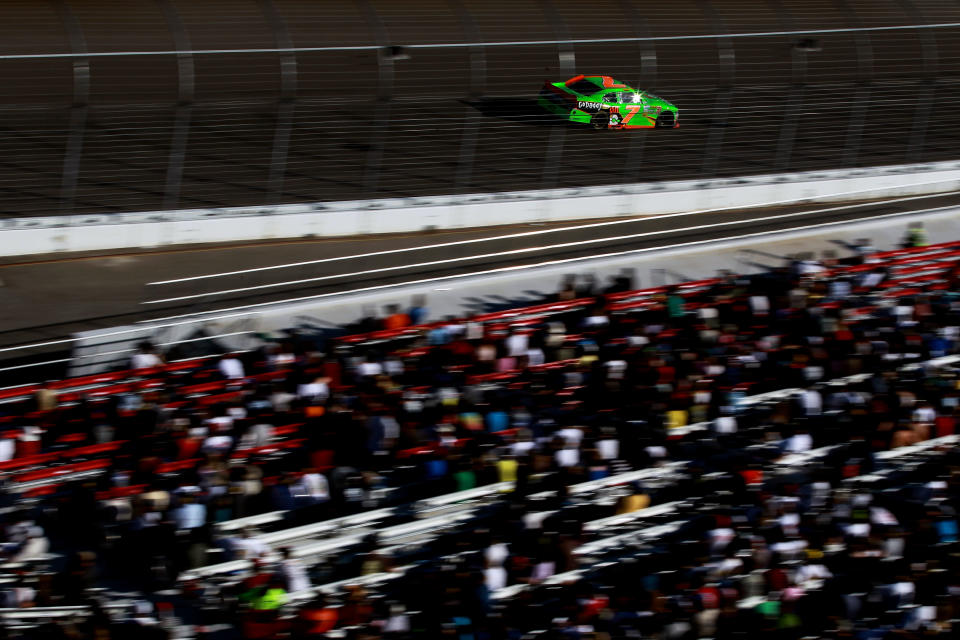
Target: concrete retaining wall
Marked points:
28	236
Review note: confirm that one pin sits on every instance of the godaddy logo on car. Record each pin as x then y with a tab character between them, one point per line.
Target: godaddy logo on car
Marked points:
590	105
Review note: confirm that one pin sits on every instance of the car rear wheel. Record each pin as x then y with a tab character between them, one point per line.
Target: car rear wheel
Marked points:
600	120
666	120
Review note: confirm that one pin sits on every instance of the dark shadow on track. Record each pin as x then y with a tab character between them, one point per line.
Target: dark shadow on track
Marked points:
520	109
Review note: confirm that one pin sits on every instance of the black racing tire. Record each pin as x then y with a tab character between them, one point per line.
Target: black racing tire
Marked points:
666	120
600	120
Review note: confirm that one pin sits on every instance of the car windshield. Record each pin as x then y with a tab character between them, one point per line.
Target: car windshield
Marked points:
584	87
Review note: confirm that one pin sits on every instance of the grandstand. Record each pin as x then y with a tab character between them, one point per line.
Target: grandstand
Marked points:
516	472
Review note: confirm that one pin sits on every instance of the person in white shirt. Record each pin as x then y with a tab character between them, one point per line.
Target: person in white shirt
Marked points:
219	442
231	367
190	514
313	485
520	448
247	547
571	435
294	573
369	368
8	446
146	357
257	435
760	306
615	369
725	424
535	356
598	319
924	413
569	456
798	443
34	547
608	446
812	402
517	344
316	391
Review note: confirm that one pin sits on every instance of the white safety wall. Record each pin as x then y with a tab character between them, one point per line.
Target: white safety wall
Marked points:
30	236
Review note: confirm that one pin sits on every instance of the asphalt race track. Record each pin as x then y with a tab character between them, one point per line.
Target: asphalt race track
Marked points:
151	104
80	292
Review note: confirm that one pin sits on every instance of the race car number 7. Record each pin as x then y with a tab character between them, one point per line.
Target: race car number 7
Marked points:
631	111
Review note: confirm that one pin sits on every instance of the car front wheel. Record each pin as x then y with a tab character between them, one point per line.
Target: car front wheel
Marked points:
600	120
666	120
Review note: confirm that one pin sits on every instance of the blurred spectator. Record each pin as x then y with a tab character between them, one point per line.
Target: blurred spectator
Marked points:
231	367
146	357
668	383
395	318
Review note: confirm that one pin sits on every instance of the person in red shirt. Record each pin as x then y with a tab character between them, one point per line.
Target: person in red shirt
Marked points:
396	319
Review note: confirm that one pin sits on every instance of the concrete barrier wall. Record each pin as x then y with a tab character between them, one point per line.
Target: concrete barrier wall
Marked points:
30	236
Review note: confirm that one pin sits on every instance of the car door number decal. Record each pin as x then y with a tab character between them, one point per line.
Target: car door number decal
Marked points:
631	111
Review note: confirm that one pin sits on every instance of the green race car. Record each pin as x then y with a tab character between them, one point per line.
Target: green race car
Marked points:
605	103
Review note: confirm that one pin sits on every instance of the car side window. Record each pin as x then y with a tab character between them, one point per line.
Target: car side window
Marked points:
611	97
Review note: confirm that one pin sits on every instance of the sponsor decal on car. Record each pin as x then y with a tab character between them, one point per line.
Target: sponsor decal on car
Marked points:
590	105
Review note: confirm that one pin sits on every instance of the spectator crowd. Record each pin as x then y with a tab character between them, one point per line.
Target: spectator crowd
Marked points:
129	482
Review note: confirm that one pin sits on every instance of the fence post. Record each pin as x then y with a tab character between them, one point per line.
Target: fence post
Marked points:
632	169
287	102
79	110
381	118
798	87
928	82
567	63
186	92
721	107
861	100
478	85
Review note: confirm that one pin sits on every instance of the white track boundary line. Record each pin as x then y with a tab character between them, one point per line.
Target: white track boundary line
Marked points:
526	234
551	247
462	45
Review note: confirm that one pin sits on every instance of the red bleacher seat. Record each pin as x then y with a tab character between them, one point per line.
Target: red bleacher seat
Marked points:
17	392
275	446
178	465
45	490
95	449
288	429
53	472
122	492
84	381
205	387
71	438
28	461
230	396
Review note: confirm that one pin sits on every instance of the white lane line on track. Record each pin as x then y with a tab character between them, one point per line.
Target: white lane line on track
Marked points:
149	326
516	268
562	245
461	45
525	234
